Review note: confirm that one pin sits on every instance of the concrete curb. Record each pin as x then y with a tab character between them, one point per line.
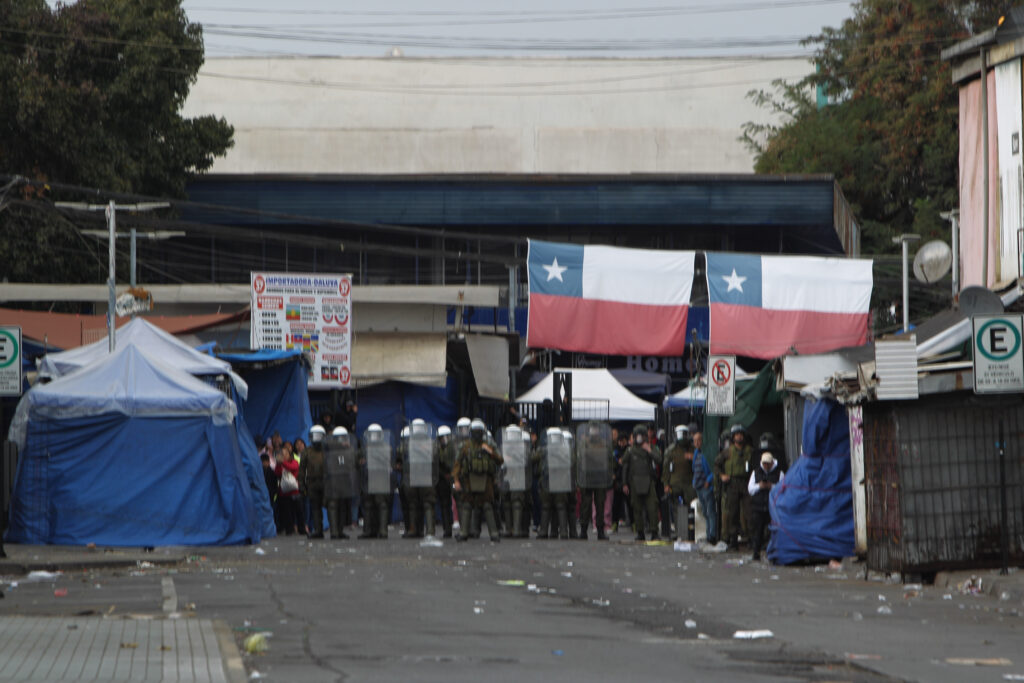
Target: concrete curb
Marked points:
234	668
25	559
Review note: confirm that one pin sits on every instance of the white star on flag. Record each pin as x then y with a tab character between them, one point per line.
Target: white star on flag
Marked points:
555	270
734	281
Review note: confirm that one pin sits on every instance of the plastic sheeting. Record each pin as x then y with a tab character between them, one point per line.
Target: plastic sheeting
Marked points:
973	250
812	510
278	398
146	458
394	404
158	343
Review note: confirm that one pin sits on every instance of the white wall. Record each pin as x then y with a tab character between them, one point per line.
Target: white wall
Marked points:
402	115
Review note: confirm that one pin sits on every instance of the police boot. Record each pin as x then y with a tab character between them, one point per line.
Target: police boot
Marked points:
517	521
583	531
601	536
492	523
429	523
474	523
563	523
382	520
332	519
545	522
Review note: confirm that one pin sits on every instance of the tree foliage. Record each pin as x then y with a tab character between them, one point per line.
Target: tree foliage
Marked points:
91	95
889	134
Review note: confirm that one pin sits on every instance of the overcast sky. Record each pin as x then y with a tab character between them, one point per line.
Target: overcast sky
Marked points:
604	28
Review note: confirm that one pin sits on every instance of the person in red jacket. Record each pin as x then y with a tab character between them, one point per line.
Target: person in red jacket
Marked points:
289	501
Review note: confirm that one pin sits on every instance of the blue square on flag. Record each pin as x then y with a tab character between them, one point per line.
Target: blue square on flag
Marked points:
556	269
734	279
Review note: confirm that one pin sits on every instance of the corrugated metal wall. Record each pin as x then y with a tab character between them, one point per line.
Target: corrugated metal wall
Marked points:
932	480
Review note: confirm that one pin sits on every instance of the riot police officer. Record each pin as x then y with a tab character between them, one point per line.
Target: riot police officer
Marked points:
595	467
476	467
515	453
420	469
732	466
375	467
556	484
639	466
677	482
445	448
339	479
311	479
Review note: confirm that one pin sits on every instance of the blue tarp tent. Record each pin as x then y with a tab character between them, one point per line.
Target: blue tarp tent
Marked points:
812	511
176	353
129	451
278	399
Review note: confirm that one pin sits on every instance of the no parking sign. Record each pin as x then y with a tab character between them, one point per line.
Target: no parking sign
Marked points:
721	385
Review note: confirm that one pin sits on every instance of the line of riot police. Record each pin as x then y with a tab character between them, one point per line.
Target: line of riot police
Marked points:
489	481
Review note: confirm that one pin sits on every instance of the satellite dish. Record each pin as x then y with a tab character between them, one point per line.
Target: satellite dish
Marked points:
976	300
932	261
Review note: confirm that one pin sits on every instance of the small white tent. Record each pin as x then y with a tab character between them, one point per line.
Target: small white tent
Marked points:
594	384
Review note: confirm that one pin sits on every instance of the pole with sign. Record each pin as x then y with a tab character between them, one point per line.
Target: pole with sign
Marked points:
998	356
721	386
10	360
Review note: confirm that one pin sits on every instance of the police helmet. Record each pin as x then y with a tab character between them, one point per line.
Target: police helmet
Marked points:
339	432
736	429
477	425
317	434
374	432
443	431
681	432
418	421
405	432
555	435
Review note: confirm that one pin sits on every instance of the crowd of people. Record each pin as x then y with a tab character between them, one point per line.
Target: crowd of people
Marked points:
555	483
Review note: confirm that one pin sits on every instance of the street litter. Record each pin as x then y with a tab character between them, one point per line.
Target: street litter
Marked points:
40	575
129	646
513	582
60	593
656	543
1013	677
885	609
254	675
256	643
971	586
143	564
532	588
567	575
719	547
478	610
835	565
431	542
683	546
260	551
690	623
601	602
753	635
985	661
850	655
557	653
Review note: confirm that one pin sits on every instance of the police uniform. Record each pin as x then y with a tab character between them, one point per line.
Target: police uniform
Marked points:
733	462
638	472
311	479
476	466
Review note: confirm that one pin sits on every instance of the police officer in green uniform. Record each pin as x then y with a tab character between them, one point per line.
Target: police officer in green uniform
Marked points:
677	481
476	467
339	479
445	454
732	466
639	464
311	478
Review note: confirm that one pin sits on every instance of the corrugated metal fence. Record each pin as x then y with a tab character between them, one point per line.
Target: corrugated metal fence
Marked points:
933	482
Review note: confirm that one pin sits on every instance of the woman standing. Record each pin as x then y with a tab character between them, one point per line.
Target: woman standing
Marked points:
289	501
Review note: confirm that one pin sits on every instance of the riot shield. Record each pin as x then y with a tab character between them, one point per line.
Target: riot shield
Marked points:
378	462
593	452
339	468
420	465
558	466
514	451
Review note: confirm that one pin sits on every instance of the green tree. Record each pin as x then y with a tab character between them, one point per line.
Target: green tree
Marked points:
890	133
91	94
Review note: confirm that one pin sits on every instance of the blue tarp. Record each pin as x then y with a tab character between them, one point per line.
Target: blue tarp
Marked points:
129	451
393	404
278	399
812	511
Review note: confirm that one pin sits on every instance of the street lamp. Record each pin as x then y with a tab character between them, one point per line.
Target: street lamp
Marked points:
111	210
904	240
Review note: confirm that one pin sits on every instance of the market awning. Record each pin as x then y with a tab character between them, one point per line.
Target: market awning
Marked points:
416	358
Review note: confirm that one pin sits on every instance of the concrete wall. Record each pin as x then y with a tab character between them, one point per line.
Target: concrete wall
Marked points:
402	115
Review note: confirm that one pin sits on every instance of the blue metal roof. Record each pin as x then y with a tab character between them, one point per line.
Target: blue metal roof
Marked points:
805	204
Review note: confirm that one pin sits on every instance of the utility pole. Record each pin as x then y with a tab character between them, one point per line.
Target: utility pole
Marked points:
111	210
904	240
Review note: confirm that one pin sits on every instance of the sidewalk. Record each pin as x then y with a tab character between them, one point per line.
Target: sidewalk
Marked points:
22	559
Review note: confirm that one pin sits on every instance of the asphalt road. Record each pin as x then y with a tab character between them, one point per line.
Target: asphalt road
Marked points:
552	610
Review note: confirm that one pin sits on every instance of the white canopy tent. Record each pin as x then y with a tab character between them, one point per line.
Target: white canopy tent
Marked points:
594	384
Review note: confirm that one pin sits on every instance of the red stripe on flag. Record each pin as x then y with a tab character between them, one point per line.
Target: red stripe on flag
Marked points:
767	333
610	327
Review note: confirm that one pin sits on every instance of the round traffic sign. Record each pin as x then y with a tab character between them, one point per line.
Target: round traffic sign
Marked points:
998	340
721	372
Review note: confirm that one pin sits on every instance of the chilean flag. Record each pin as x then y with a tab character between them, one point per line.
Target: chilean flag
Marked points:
608	300
771	306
